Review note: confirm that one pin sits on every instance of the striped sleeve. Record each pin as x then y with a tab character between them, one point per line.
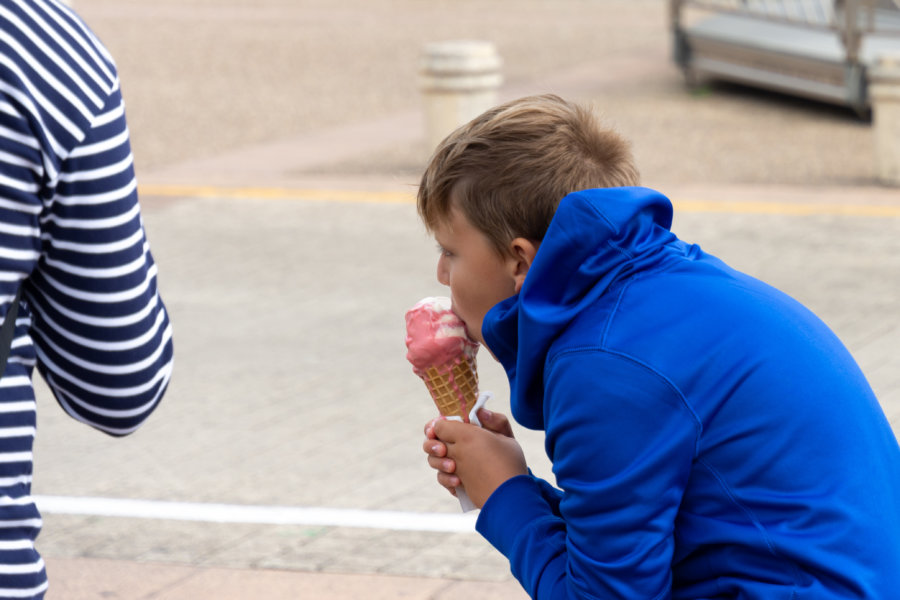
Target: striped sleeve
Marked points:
101	333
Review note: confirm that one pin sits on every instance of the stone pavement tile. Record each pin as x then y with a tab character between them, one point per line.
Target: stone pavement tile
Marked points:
478	590
73	536
92	579
312	549
225	584
464	556
105	579
69	536
61	531
460	557
376	551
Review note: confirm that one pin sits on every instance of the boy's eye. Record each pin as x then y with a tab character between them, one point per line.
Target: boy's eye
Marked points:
443	251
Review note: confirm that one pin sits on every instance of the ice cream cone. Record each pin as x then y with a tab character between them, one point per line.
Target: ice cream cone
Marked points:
453	387
443	355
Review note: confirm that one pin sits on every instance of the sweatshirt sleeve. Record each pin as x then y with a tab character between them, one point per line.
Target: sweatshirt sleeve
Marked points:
621	439
101	332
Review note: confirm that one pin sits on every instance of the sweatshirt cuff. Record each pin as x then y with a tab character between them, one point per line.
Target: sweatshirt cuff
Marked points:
517	503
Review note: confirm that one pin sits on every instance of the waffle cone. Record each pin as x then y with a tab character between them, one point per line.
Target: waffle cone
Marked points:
453	387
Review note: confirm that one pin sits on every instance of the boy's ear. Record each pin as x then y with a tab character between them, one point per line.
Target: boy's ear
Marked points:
522	253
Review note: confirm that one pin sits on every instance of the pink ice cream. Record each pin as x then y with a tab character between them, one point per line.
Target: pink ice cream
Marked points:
436	336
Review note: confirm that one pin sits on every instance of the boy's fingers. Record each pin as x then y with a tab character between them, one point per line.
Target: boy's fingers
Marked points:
447	431
433	447
429	427
442	465
489	418
451	482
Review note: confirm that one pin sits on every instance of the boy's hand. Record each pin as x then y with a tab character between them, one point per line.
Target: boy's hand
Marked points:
437	450
479	459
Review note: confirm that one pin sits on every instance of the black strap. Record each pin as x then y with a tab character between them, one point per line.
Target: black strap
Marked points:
8	331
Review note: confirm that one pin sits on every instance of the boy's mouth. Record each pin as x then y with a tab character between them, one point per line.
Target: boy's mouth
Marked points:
463	319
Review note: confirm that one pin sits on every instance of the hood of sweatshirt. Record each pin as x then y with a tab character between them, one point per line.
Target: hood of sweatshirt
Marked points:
596	238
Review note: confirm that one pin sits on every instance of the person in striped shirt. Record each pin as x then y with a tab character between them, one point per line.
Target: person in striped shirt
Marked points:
72	243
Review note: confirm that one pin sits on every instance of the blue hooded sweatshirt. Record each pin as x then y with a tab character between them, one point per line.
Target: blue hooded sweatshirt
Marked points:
710	437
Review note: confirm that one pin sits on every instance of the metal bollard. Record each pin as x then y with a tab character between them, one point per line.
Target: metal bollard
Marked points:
459	81
884	89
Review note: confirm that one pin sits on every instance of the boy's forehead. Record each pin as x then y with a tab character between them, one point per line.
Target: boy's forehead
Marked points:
448	222
454	226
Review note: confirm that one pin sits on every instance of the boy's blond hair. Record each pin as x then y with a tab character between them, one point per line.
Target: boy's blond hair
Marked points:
507	169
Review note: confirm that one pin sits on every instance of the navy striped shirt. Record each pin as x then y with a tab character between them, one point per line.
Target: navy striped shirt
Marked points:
71	236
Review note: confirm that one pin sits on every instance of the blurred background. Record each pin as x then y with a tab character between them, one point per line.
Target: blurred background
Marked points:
205	77
278	144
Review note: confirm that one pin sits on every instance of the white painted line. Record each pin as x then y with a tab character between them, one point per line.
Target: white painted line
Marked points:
263	515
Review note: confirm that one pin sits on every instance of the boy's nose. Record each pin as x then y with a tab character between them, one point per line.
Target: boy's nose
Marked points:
442	275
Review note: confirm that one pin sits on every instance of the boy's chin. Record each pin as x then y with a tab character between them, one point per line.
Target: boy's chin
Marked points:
474	334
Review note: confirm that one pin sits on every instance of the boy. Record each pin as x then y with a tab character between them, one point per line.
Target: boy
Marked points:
711	438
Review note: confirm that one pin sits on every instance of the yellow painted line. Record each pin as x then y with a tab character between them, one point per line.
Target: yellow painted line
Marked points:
357	196
789	209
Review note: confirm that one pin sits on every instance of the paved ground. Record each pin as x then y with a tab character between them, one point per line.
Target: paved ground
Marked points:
278	145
